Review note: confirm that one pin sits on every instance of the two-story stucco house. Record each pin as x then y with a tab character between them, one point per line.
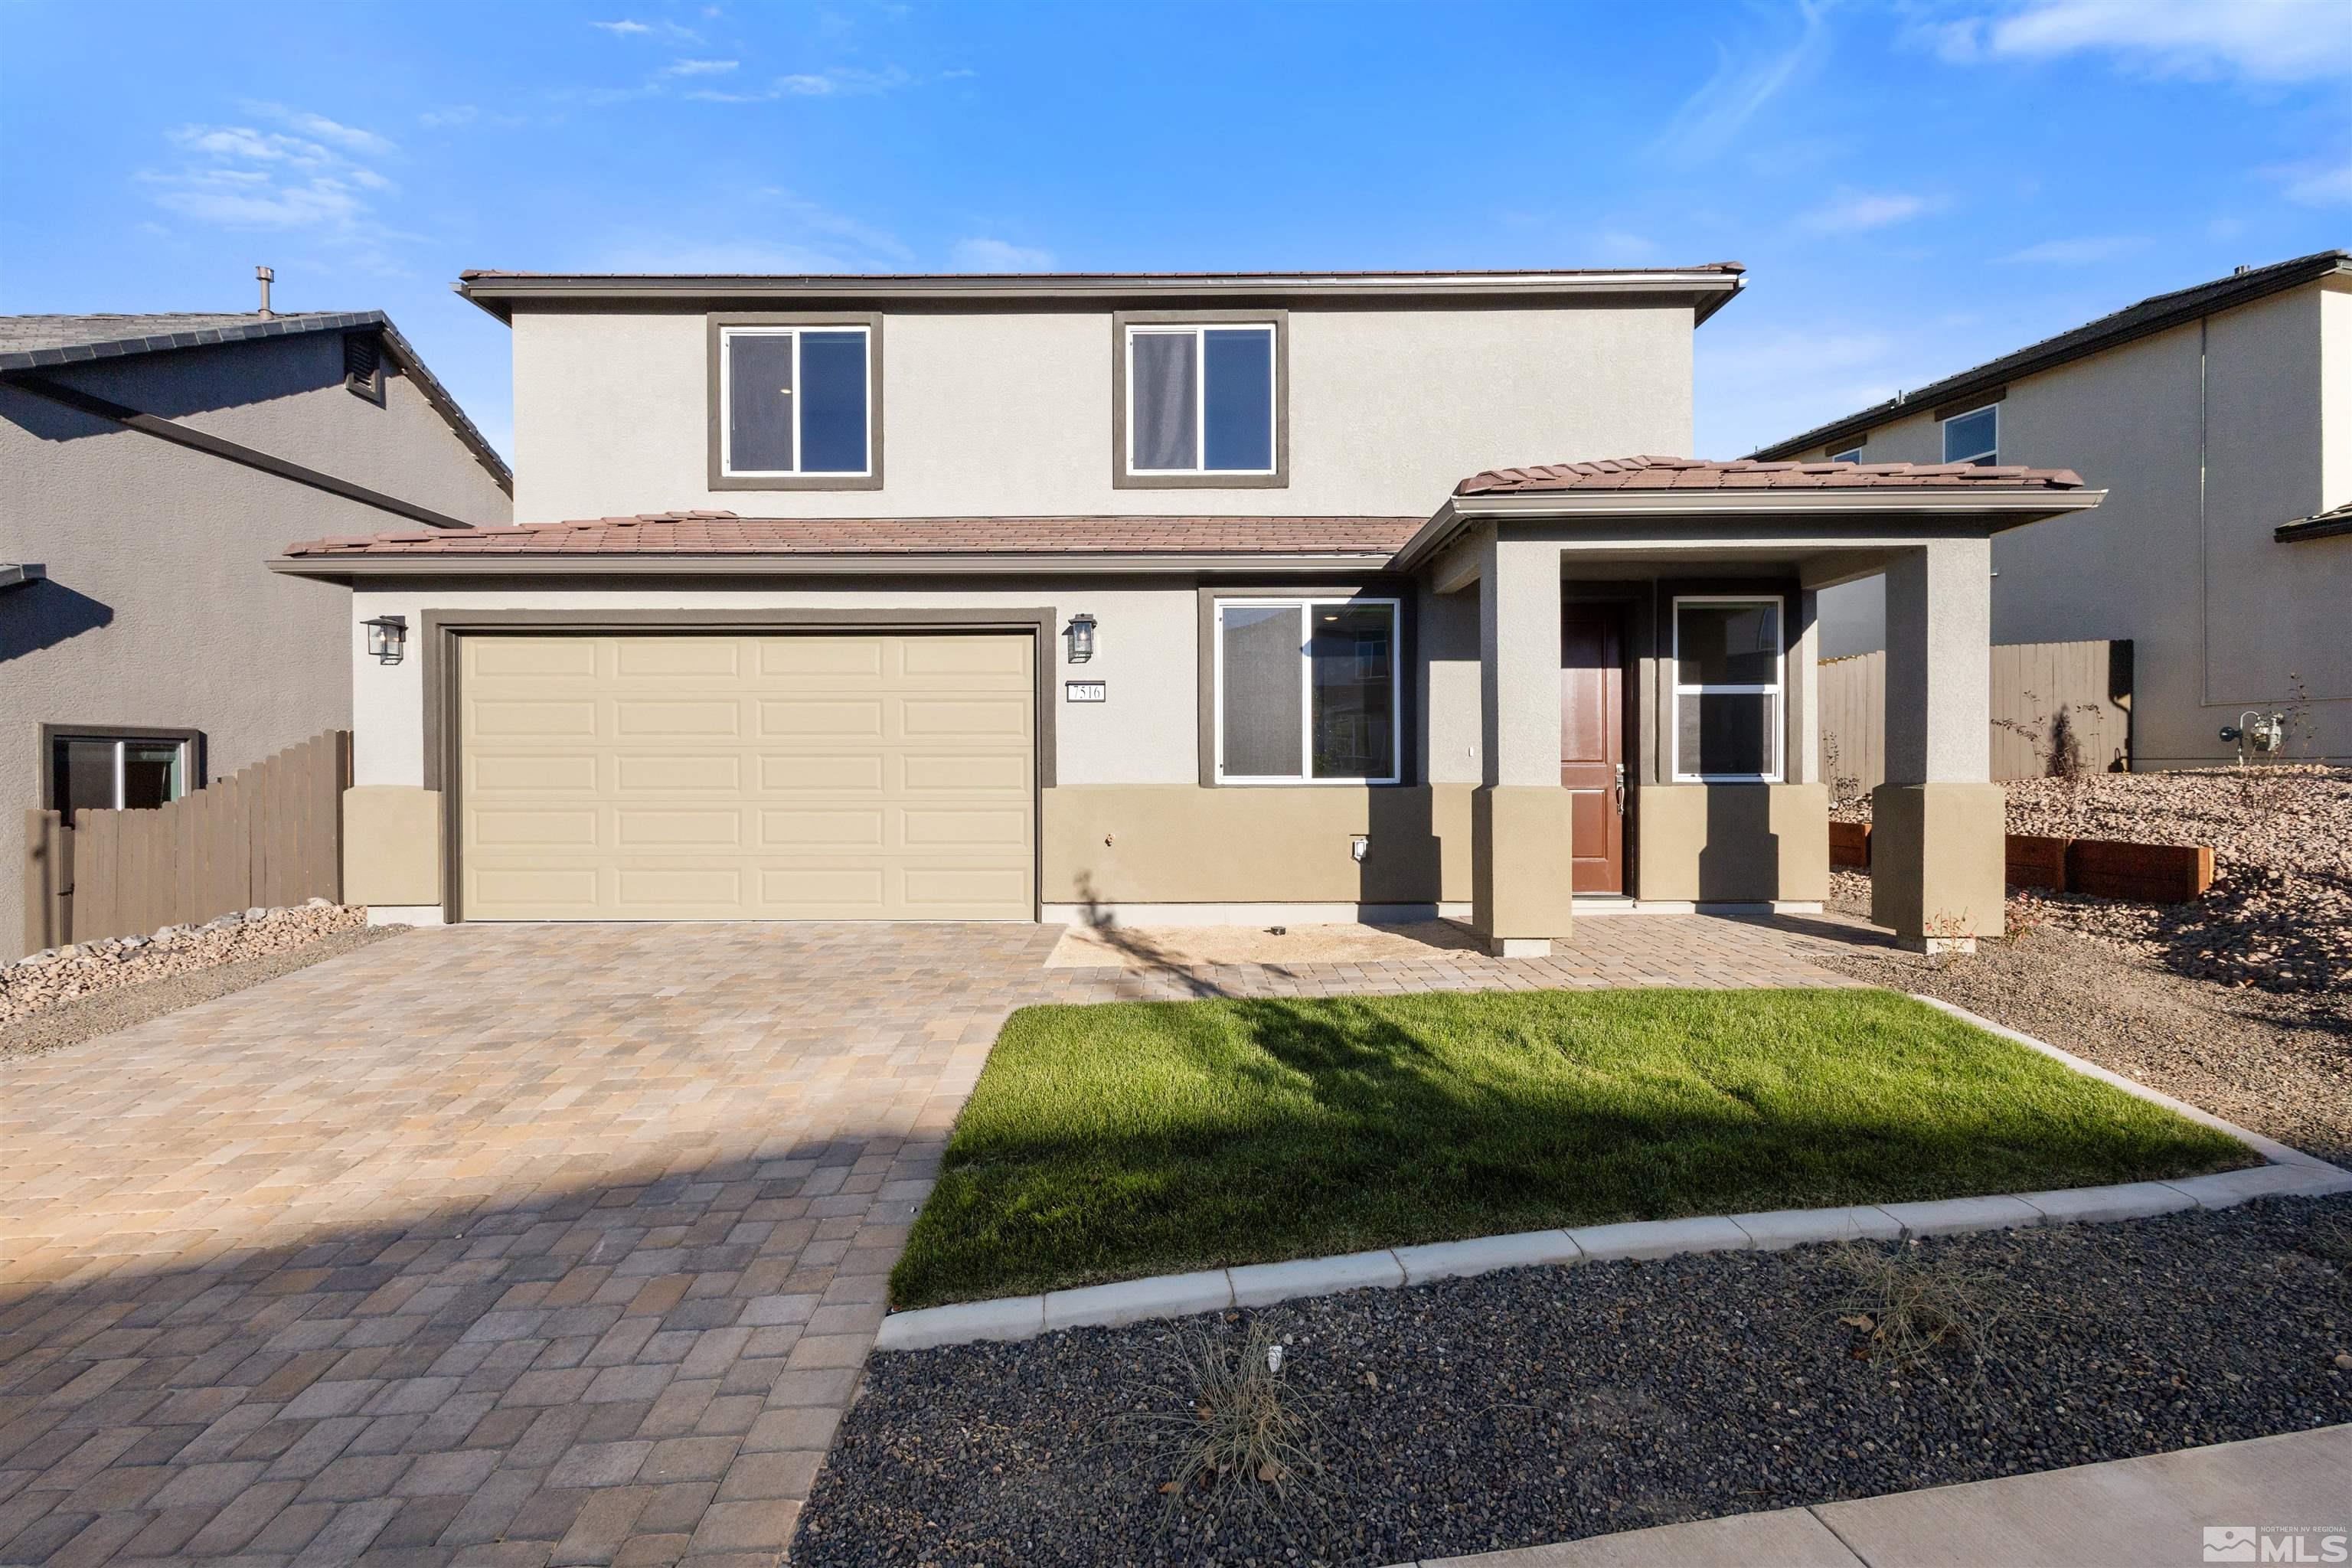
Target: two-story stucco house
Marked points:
2220	420
150	467
1186	598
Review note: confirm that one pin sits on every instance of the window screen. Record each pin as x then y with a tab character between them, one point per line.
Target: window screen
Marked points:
1307	690
1728	666
1200	400
798	400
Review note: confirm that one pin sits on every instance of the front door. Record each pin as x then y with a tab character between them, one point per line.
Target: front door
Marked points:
1592	742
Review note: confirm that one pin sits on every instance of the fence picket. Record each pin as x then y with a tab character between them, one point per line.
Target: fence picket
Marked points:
269	835
1851	701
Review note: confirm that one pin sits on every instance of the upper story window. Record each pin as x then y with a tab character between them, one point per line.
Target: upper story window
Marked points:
1973	437
1851	455
1199	401
796	403
1307	690
1728	667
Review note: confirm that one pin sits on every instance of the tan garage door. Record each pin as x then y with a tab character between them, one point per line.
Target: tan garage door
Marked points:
813	778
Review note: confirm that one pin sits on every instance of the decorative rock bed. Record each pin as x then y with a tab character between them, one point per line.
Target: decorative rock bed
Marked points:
87	968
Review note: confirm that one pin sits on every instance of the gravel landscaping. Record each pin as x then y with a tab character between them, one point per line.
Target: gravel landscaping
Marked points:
2279	915
72	994
1546	1405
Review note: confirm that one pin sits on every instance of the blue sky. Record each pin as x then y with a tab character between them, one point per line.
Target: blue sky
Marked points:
1914	186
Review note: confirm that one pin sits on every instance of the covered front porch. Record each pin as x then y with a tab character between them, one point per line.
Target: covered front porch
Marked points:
1642	680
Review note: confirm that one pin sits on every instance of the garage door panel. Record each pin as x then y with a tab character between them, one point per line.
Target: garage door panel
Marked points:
682	891
573	656
727	777
640	658
548	893
539	775
639	718
983	717
788	773
533	720
681	773
821	830
832	718
502	829
965	773
644	828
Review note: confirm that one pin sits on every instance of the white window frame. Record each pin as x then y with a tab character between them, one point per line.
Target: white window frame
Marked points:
1991	453
1306	606
1851	455
1778	690
121	744
727	469
1197	331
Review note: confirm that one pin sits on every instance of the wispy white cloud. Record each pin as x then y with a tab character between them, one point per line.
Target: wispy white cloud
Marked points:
456	114
2323	183
239	176
2078	252
350	138
982	254
699	68
622	28
2261	40
1745	80
1852	212
1617	245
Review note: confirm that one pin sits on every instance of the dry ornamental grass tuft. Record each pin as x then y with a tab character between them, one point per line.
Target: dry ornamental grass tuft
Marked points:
1249	1434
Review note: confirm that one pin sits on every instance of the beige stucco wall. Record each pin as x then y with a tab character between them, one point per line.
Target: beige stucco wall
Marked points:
156	610
1173	844
1734	843
1009	412
2222	616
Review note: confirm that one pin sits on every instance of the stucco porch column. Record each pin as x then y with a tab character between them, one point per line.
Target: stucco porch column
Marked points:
1520	860
1937	840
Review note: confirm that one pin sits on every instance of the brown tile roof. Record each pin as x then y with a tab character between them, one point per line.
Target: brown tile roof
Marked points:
1697	474
724	534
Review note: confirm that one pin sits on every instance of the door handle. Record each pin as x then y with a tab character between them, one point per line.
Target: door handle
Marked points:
1620	789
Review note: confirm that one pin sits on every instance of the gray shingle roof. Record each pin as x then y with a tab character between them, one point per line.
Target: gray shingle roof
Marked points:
47	342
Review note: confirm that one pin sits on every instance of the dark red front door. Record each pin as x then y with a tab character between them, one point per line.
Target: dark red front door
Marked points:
1592	742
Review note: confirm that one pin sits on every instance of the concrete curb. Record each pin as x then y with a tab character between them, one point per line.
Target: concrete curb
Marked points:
2289	1173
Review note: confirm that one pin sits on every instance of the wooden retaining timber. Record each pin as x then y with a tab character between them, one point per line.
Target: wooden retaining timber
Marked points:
269	835
2100	867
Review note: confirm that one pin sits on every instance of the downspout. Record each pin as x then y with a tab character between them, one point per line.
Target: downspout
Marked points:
2204	542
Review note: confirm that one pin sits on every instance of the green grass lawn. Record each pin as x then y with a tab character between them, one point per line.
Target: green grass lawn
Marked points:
1130	1139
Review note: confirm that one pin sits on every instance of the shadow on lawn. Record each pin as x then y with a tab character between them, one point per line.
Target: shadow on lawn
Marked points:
1303	1127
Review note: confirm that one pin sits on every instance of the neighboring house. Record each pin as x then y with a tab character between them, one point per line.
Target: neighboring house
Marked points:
2219	421
1154	596
149	467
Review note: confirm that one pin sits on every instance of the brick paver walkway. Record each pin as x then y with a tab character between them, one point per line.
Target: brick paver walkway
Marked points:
530	1244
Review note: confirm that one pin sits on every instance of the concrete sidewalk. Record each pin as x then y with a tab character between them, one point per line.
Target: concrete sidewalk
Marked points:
2150	1512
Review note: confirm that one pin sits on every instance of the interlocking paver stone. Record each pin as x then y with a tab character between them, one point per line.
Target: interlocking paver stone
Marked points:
430	1250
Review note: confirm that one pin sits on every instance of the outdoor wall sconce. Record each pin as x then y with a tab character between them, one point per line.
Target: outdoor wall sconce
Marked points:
1082	638
387	637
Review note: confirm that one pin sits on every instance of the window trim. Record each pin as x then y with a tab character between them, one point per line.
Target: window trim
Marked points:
191	742
1123	324
1779	690
1306	603
1991	455
722	323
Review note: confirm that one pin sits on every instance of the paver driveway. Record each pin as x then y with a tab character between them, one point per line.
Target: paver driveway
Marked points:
528	1244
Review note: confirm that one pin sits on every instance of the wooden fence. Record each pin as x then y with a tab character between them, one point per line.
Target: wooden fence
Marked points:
269	835
2030	681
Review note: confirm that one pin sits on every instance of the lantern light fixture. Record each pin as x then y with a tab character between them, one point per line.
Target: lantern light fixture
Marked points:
1082	638
387	637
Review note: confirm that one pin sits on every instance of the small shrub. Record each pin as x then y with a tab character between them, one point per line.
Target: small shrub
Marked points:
1250	1433
1908	1305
